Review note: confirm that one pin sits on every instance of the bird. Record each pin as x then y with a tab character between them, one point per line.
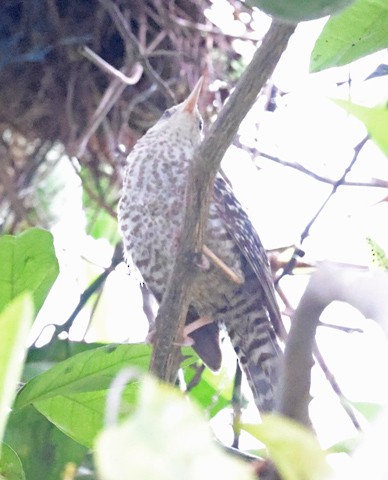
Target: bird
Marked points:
235	290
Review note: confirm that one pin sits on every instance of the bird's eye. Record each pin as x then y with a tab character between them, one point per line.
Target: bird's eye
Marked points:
200	124
167	113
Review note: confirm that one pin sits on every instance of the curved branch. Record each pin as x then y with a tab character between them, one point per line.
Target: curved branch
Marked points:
173	310
364	290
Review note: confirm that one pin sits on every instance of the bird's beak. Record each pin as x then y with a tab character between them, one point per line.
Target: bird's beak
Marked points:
191	101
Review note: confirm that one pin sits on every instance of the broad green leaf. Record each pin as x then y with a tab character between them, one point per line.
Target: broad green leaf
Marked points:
11	467
166	438
292	447
357	31
43	358
28	262
72	394
81	416
45	452
15	323
58	350
89	371
375	120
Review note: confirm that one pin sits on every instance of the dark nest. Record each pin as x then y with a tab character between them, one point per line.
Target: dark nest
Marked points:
56	91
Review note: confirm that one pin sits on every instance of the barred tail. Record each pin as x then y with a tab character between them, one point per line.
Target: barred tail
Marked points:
259	354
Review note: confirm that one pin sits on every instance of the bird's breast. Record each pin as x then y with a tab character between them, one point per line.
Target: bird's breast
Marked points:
150	213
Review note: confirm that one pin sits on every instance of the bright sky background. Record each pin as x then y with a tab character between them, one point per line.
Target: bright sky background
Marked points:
307	128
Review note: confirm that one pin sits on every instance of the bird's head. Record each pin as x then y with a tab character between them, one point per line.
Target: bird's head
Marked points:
183	120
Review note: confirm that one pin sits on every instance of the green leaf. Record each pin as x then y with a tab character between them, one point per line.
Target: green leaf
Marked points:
367	409
358	31
292	447
379	257
347	445
88	371
45	452
103	225
15	323
28	262
40	359
299	10
375	120
166	438
72	394
214	390
81	416
11	467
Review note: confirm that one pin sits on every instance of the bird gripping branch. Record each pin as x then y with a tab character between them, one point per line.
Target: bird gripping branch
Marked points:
234	287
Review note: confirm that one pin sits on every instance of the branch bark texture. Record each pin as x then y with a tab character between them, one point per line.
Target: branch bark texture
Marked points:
173	309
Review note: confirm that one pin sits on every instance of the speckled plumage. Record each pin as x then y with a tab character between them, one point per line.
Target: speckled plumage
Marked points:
151	217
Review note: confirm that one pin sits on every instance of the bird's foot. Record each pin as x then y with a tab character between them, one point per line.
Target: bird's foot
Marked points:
186	340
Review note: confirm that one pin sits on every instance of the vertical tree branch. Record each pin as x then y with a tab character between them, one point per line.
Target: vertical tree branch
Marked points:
173	310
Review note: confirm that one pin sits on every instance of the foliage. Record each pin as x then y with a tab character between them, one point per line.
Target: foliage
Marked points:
76	388
28	263
299	10
379	257
291	446
375	120
357	31
167	438
15	323
10	465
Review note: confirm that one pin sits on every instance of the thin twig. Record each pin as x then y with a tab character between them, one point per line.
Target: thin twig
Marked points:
108	68
110	97
300	168
334	385
130	40
237	406
100	200
338	183
210	29
173	310
197	376
93	287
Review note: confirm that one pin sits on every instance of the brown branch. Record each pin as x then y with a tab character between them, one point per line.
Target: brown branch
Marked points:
364	290
130	40
173	310
295	380
110	69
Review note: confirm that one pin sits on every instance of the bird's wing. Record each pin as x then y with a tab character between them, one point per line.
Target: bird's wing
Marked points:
243	233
